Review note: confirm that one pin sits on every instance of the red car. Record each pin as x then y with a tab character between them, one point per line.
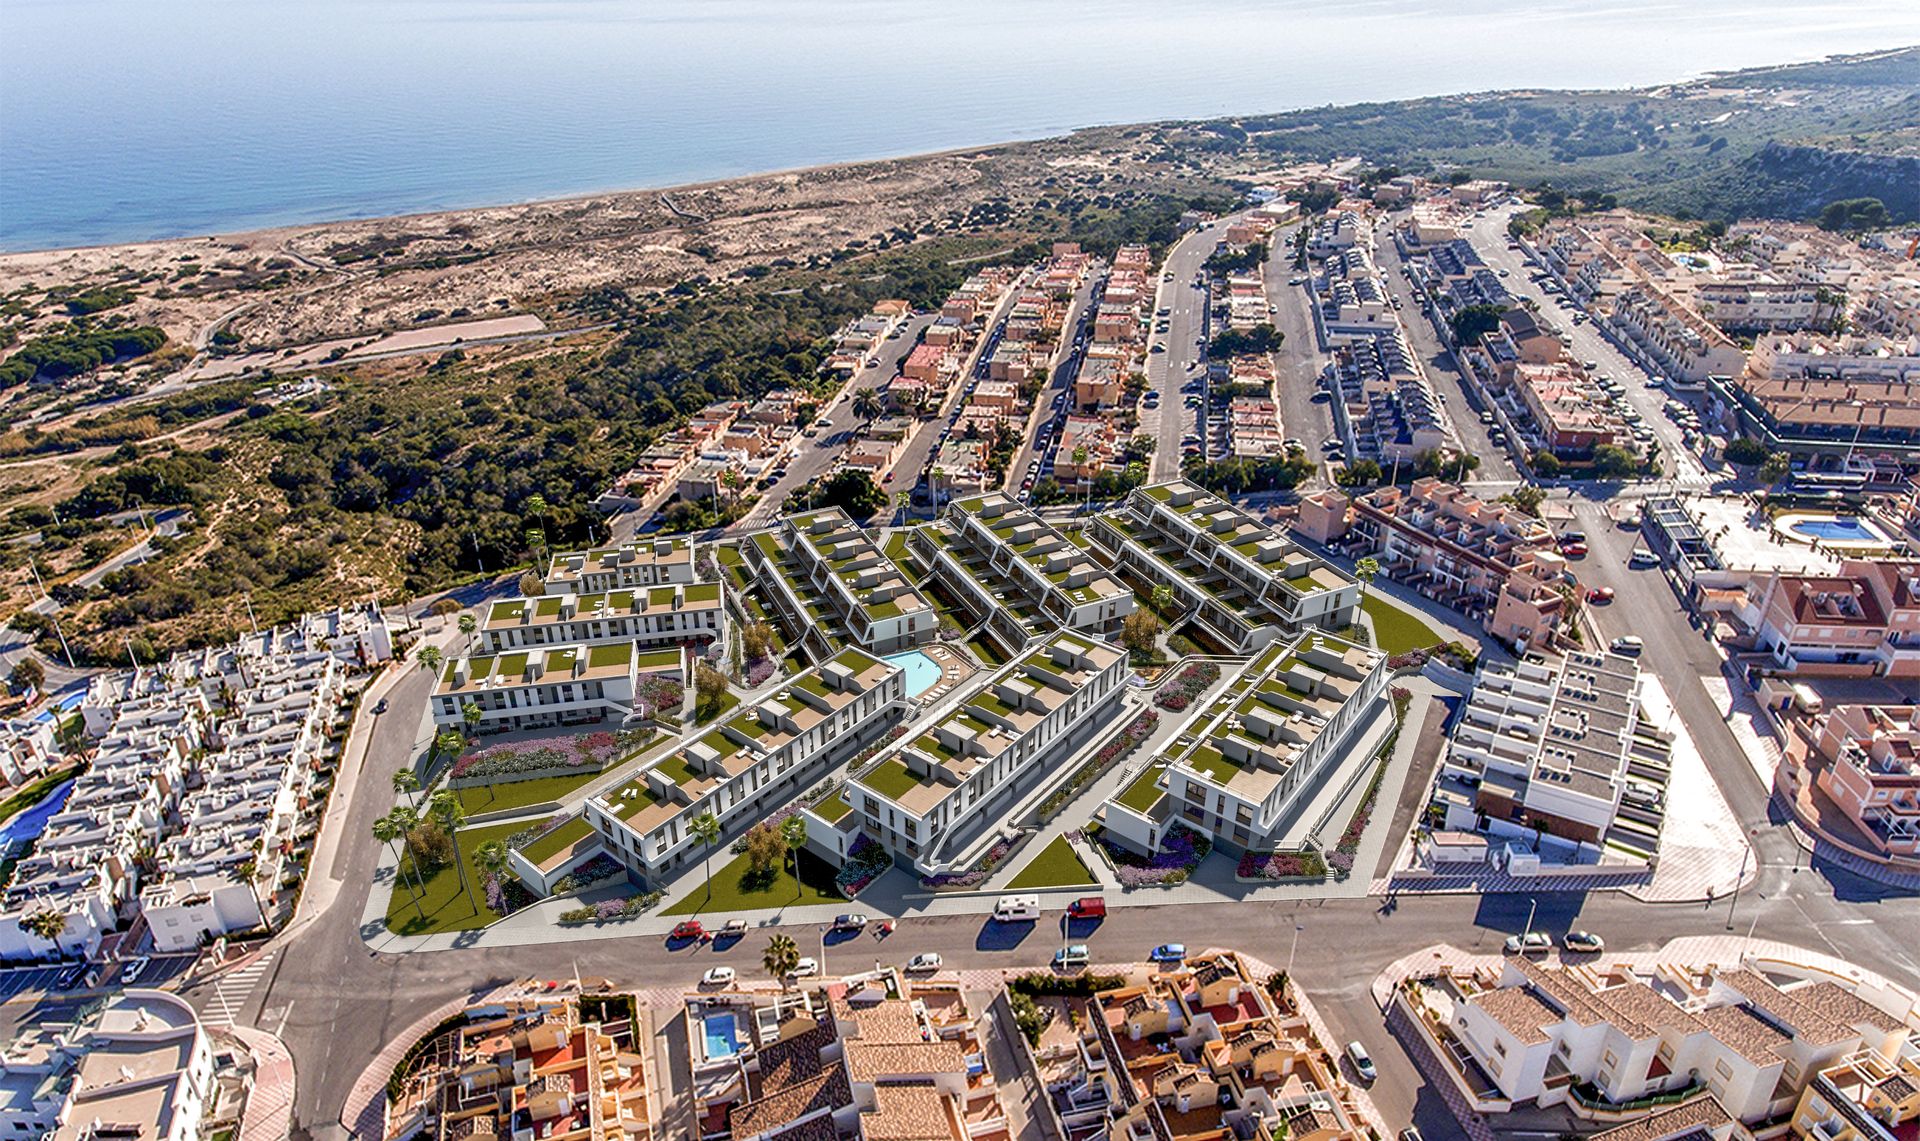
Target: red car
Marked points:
1600	594
690	929
1091	907
1574	550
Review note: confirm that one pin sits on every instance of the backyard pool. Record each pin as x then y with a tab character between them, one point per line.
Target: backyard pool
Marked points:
722	1035
1846	532
923	673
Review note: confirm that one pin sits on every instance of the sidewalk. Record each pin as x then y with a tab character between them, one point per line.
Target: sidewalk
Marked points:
1704	849
268	1114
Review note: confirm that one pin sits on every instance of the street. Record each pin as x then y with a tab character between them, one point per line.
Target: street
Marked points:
1187	322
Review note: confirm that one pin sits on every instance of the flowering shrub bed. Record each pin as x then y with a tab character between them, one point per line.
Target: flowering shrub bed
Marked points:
599	868
758	671
506	894
1137	730
533	832
865	861
1452	653
1180	852
524	760
1189	684
1281	865
608	909
972	877
656	694
1342	858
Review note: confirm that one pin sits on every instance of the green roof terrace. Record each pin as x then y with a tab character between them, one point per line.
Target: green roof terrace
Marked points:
1143	793
892	779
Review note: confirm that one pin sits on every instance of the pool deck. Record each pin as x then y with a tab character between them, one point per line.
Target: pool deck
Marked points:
951	668
1866	537
1745	546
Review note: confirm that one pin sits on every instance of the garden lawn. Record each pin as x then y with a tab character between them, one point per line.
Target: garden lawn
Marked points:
709	711
522	793
1395	630
1057	865
735	890
447	907
984	649
32	794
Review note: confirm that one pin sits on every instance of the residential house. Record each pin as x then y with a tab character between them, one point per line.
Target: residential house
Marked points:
575	684
650	616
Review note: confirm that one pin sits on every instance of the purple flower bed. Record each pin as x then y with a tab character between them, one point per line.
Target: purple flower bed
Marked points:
657	694
1188	685
1281	865
866	860
506	894
612	908
758	671
593	871
510	758
1180	852
972	877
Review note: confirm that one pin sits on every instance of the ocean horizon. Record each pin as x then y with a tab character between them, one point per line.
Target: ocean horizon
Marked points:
236	115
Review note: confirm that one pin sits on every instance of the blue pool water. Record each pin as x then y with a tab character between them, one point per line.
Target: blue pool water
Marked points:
1840	529
30	823
721	1031
923	673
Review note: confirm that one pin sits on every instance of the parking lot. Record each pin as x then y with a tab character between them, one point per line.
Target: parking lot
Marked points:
31	980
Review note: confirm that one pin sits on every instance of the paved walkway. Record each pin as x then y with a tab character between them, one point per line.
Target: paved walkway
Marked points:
1747	722
1704	851
268	1114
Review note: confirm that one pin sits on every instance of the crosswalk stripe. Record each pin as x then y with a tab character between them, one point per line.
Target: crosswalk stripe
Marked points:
231	991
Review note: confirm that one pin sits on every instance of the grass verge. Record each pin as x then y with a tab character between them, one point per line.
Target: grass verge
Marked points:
1057	865
735	887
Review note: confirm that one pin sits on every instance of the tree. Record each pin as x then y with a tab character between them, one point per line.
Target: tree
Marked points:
782	958
1527	498
709	685
1139	632
1471	323
756	639
430	658
249	870
468	623
851	490
392	830
867	405
1775	468
1746	450
1544	463
1360	473
449	741
935	477
537	507
443	607
27	674
1263	338
490	860
532	585
443	808
793	831
1854	214
706	829
471	713
765	850
1162	598
1364	570
405	783
46	923
1613	462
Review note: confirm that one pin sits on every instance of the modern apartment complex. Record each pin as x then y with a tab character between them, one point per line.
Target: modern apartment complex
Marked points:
1011	568
1238	578
137	1065
656	562
1260	750
1545	750
830	584
669	614
1813	393
1489	560
749	764
932	799
557	1068
575	684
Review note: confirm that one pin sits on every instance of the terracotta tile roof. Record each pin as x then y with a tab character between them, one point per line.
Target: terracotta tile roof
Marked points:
913	1112
1843	1006
1896	1088
1691	1118
1807	1021
1524	1014
1748	1034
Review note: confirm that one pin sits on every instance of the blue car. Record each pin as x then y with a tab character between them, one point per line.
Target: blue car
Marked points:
1168	953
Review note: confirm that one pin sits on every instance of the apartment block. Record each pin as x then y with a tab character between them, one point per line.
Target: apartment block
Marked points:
1202	1053
1544	750
830	583
658	562
1263	748
1607	1035
137	1064
1238	578
650	616
1863	620
1088	447
933	799
1869	767
1811	393
1489	560
1010	567
576	684
1865	1097
1672	335
557	1068
751	763
28	747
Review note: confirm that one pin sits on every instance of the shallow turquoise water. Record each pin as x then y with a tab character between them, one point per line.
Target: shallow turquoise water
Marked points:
923	673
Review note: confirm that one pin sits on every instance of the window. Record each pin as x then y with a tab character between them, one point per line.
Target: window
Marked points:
1500	1048
1721	1068
1610	1060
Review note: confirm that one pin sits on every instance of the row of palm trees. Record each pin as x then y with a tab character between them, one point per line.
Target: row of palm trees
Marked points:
443	809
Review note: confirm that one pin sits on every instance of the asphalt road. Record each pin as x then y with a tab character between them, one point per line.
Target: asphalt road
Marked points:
1298	364
1075	334
1186	322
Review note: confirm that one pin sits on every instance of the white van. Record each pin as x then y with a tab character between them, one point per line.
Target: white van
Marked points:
1017	908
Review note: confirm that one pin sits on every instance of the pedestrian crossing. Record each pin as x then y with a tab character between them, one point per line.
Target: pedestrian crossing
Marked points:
232	990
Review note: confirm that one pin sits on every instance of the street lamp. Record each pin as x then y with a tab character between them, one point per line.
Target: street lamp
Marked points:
1533	903
823	951
1291	951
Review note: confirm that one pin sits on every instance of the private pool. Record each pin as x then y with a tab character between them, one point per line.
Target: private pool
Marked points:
923	673
722	1035
1850	533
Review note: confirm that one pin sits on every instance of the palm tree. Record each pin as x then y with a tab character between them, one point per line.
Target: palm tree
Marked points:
468	624
471	714
794	831
537	506
48	924
867	405
449	741
1364	568
392	830
1080	470
405	783
783	955
444	809
939	473
248	869
430	658
706	829
1162	598
490	859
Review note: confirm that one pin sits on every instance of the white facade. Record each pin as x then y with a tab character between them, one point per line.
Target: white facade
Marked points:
142	1064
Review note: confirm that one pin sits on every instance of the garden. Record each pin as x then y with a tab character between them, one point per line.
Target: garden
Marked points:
867	861
1057	865
1187	686
763	875
539	770
1137	730
1397	630
1281	866
974	876
431	896
1181	851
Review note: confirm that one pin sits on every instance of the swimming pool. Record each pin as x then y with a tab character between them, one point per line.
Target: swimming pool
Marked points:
28	824
1839	530
722	1034
923	673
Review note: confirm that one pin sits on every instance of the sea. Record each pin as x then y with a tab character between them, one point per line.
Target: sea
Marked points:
134	119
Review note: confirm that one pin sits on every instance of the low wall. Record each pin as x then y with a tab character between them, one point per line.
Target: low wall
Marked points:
530	774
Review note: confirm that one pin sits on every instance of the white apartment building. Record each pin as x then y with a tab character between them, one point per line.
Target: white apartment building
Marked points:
829	581
669	614
1012	567
1752	1044
357	635
750	764
1766	302
28	747
1873	359
932	799
138	1068
654	562
1241	580
1677	340
575	684
1545	749
1262	748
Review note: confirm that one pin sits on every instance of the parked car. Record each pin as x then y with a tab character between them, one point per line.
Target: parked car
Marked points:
1643	558
687	929
851	921
132	972
717	976
1642	794
1531	943
928	961
1088	907
1600	595
1573	536
1583	941
1574	550
1630	645
806	967
1072	956
1362	1062
380	706
1168	953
